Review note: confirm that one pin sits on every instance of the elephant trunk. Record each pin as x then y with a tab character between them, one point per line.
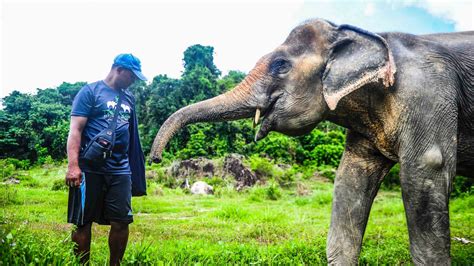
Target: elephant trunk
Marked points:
232	105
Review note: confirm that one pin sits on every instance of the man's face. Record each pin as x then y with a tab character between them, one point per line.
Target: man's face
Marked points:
125	78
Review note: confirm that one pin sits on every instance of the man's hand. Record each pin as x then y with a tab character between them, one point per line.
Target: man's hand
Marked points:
73	176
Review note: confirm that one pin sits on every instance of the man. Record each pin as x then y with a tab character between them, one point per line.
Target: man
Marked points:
105	193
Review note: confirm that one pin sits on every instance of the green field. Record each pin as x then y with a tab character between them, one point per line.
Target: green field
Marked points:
263	225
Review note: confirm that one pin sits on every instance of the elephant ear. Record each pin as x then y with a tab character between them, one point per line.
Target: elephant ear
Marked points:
356	58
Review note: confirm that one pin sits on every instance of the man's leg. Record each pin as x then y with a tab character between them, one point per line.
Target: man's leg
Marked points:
82	233
118	238
82	237
118	210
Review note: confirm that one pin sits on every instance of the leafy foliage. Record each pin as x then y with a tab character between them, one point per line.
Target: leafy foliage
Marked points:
25	248
34	126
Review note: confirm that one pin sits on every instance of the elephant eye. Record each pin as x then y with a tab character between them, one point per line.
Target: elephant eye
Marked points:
280	66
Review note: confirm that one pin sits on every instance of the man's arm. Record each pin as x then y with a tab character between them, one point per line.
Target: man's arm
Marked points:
73	174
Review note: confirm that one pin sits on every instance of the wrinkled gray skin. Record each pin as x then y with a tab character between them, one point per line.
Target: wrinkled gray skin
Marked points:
403	98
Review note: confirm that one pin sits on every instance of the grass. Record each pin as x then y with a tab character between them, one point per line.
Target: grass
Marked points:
262	225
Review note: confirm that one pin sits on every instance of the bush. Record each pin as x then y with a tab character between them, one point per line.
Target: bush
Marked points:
45	160
257	194
321	198
7	169
59	184
272	192
287	178
327	171
327	154
392	179
160	176
8	195
216	182
21	248
19	164
27	180
278	147
321	148
196	146
261	166
462	186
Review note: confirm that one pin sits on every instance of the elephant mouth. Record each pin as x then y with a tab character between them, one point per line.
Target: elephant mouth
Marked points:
266	122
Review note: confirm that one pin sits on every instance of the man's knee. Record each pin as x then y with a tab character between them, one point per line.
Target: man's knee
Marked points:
119	226
82	234
83	229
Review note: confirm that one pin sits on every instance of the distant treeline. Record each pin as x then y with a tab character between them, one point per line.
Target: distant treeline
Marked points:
35	127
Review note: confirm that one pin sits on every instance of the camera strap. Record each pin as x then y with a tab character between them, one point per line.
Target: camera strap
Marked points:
110	131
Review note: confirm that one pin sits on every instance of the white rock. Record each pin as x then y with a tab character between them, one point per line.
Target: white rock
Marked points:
201	188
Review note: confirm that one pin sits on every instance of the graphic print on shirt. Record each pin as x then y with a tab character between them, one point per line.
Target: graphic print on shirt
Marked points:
124	111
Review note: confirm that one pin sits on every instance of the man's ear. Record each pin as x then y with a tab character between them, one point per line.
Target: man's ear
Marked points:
356	58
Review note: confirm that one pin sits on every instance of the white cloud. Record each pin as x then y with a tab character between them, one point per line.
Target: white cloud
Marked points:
461	12
369	9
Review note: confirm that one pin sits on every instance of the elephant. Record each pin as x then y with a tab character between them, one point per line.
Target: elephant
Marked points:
403	98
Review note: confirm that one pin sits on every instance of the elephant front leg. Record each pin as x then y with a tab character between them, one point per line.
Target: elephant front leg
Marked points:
358	179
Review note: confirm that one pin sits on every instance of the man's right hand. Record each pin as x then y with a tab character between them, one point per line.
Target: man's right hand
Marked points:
73	176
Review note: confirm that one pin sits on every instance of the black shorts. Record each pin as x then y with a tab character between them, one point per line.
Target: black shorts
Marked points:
101	199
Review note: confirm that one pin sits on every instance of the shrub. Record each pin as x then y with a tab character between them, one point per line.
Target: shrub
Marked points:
327	154
278	147
257	194
327	171
216	182
27	180
261	166
196	146
462	186
19	247
322	197
59	184
272	192
8	195
392	179
19	164
320	147
7	169
287	178
160	176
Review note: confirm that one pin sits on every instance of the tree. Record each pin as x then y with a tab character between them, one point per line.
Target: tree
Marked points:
200	56
69	90
231	80
33	123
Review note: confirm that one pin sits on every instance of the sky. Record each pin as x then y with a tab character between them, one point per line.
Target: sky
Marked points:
45	43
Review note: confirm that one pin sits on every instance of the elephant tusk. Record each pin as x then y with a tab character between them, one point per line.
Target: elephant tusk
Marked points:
257	117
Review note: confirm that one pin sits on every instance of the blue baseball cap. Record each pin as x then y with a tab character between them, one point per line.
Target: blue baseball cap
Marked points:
131	63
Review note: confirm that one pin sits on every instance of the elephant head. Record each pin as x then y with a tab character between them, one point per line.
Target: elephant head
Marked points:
294	87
